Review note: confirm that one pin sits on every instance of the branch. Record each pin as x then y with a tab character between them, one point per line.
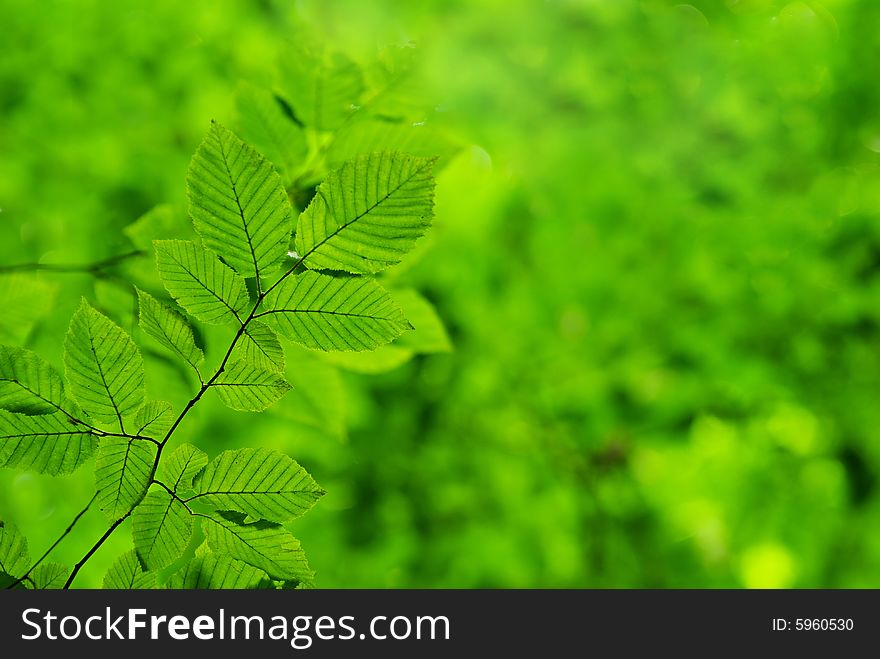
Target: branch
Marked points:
87	268
55	544
192	403
95	547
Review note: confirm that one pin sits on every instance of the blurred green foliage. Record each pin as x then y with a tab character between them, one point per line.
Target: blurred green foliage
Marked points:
657	255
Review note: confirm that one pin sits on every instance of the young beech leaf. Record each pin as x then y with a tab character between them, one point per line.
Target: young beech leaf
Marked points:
104	369
238	203
169	328
14	557
179	468
49	444
260	482
373	134
381	360
324	88
163	220
247	388
47	576
264	123
429	334
212	571
367	214
26	298
161	529
28	384
154	419
317	402
333	313
127	573
123	468
259	345
200	282
267	546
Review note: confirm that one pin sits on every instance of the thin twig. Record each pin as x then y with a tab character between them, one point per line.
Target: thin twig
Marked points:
67	268
56	543
95	547
192	403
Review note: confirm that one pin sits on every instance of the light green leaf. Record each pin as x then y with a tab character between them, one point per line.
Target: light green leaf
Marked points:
179	468
366	135
267	546
373	362
317	402
395	87
259	482
26	299
127	573
123	468
429	334
367	214
49	444
238	204
154	419
214	572
247	388
161	529
333	313
201	284
169	328
28	384
14	557
259	345
104	369
163	220
47	576
264	124
324	88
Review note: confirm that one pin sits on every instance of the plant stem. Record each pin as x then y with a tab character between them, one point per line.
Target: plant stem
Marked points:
180	417
95	547
92	268
56	543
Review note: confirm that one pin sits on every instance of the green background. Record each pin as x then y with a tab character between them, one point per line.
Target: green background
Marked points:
657	256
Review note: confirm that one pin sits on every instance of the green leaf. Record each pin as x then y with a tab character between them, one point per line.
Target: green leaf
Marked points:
161	529
123	469
47	576
259	345
267	546
104	369
395	86
49	444
381	360
14	557
127	573
169	328
238	204
429	334
324	88
264	124
317	402
26	299
201	284
218	572
163	220
374	134
247	388
179	468
28	384
154	419
260	482
333	313
367	214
